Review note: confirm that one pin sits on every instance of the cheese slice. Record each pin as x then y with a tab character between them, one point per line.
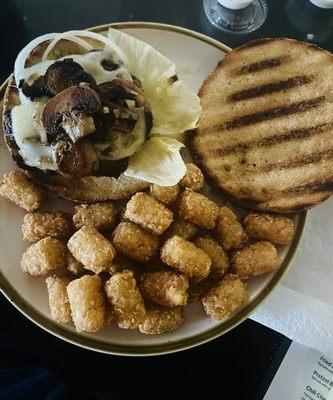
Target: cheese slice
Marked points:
30	135
91	62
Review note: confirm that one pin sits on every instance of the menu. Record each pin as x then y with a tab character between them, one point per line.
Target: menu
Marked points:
304	374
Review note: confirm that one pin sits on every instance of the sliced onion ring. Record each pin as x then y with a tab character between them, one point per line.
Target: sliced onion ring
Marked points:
70	35
25	52
101	38
66	36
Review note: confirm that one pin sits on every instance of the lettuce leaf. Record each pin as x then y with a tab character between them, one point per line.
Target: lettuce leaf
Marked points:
175	107
158	161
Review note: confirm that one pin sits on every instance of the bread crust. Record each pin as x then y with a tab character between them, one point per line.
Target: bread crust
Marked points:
259	76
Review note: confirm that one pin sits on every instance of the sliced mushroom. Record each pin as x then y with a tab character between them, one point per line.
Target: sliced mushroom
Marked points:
36	89
118	90
136	92
110	65
71	110
149	120
64	74
75	159
126	120
112	93
128	84
78	126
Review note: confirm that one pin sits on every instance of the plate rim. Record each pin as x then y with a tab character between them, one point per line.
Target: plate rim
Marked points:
60	330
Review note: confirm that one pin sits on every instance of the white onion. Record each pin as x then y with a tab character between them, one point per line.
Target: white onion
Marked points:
32	152
101	38
55	37
25	52
66	36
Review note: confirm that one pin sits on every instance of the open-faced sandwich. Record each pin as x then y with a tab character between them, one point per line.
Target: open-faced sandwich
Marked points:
94	117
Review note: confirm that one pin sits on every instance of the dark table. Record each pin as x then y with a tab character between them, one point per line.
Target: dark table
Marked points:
238	365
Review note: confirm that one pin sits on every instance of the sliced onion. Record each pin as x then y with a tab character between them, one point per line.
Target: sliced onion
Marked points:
66	36
25	52
38	69
55	37
101	38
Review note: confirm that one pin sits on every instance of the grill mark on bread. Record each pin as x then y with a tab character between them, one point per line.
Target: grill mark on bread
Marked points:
276	139
312	187
303	206
276	112
297	162
221	152
269	88
261	65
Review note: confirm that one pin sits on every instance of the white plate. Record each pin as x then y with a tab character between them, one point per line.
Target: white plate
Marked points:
195	56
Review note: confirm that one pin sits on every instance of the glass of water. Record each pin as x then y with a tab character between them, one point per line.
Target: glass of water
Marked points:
236	16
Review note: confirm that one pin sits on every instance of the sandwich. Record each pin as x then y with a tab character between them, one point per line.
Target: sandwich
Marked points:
97	117
265	136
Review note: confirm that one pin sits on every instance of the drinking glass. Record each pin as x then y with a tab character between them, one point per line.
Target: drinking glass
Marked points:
236	16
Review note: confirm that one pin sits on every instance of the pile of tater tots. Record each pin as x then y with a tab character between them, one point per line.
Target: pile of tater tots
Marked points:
138	265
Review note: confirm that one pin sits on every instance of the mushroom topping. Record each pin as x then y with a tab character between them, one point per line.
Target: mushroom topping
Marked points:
118	91
71	110
75	159
109	65
38	88
133	89
64	74
77	126
112	94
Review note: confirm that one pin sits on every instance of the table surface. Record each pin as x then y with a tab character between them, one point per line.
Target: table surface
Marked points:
239	363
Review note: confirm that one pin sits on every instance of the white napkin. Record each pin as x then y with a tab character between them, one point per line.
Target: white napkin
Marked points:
301	308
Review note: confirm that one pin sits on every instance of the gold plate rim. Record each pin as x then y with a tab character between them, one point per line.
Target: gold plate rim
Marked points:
101	346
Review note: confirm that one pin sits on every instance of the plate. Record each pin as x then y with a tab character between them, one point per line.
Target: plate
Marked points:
196	56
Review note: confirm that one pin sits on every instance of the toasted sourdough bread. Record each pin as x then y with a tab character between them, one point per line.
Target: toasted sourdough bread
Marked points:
87	189
265	137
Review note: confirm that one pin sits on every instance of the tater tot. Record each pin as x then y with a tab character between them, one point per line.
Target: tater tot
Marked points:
134	242
274	228
159	320
87	303
149	213
73	265
99	215
92	249
19	189
58	298
121	214
164	194
125	297
193	179
182	228
228	231
166	288
121	262
38	225
255	259
198	209
197	290
47	255
186	258
109	315
225	297
220	259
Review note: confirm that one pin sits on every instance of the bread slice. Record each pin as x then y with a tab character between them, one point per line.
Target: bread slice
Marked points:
87	189
265	137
